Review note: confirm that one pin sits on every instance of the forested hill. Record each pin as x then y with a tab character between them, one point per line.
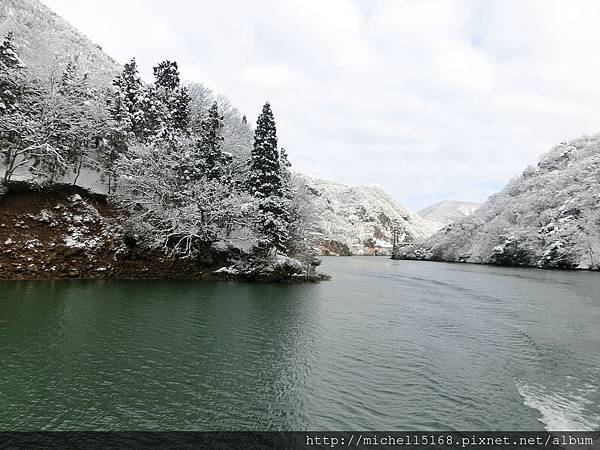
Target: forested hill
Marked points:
359	220
185	170
448	211
46	42
548	217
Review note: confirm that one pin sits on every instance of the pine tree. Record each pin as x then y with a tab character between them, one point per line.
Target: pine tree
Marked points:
126	105
210	144
174	115
207	160
8	53
154	114
181	111
126	112
265	176
11	77
166	74
69	78
266	184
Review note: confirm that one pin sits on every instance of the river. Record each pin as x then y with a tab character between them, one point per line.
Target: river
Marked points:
384	345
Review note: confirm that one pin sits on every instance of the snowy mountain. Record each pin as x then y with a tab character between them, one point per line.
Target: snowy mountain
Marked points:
347	219
358	220
46	42
448	211
548	217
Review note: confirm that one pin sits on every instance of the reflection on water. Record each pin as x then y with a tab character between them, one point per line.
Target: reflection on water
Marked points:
383	345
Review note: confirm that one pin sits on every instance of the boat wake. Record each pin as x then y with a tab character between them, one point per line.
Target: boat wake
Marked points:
569	411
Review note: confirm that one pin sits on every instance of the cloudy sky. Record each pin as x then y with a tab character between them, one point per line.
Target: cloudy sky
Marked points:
431	99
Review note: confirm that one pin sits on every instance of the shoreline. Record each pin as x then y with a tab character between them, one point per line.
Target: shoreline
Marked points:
513	266
62	231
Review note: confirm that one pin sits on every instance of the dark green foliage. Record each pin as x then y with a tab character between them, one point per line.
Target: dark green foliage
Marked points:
206	160
210	143
265	178
266	183
166	75
10	76
126	106
169	102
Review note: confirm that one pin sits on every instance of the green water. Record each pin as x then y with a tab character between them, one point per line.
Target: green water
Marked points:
383	345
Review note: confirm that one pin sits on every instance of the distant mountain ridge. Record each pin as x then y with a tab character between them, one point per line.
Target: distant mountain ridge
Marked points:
448	211
547	217
46	42
359	220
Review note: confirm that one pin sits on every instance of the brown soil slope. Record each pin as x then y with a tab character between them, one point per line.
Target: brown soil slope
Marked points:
66	232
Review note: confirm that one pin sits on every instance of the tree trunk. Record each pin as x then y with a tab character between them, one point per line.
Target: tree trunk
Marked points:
10	163
78	171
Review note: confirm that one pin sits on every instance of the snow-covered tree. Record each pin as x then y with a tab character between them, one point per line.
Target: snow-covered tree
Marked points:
183	217
210	145
33	131
265	176
127	101
86	118
285	170
69	82
172	114
205	159
13	108
11	76
265	184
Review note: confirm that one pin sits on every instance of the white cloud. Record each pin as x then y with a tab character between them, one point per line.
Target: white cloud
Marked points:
432	99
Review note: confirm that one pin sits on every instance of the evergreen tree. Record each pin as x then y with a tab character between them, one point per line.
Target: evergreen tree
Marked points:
8	53
126	105
210	144
265	176
154	114
69	78
11	77
266	184
181	110
166	74
173	114
127	120
286	173
207	160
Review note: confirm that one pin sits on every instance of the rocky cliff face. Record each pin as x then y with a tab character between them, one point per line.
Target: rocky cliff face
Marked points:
547	217
46	42
448	211
358	220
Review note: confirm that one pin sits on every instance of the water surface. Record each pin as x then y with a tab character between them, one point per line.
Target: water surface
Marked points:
383	345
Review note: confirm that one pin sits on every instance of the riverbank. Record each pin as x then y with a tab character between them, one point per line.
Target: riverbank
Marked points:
63	231
521	259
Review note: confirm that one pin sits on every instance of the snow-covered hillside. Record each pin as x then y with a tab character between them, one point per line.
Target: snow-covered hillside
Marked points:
358	220
548	217
448	211
46	42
